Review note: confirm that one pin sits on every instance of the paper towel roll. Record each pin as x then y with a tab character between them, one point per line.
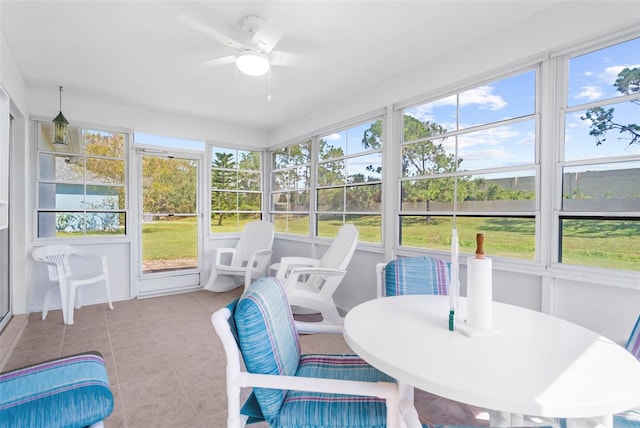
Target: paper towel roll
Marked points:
479	293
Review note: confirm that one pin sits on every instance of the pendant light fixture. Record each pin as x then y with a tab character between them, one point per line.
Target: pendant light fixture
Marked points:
61	123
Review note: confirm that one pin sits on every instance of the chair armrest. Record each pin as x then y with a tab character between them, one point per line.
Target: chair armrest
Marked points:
318	328
296	273
262	253
257	265
218	252
385	390
289	263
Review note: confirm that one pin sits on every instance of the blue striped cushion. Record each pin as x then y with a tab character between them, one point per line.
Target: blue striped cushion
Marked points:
417	275
314	409
628	419
68	392
268	338
633	344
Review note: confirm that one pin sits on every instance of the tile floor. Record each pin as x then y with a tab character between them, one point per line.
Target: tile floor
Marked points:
165	362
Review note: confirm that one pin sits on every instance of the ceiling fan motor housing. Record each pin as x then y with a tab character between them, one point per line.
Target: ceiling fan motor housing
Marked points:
251	23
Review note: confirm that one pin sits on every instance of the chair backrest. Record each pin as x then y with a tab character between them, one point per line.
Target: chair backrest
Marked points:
256	235
58	254
268	338
416	275
339	253
633	344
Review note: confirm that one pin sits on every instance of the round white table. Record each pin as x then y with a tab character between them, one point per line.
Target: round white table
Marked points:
538	365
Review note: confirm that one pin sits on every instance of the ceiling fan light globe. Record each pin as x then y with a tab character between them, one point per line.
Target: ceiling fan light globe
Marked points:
252	63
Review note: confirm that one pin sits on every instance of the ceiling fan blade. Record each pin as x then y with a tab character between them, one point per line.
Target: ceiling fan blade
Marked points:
288	59
267	37
210	31
219	61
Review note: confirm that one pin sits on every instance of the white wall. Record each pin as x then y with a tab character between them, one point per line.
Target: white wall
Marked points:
79	110
13	83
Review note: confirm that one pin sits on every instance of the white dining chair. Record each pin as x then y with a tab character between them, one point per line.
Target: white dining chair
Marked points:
62	278
290	389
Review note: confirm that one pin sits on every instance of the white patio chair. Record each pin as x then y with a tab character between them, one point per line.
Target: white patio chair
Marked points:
294	390
57	259
311	283
249	260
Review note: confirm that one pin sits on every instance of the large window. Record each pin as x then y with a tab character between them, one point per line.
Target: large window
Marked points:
349	181
599	220
81	186
236	188
481	145
291	187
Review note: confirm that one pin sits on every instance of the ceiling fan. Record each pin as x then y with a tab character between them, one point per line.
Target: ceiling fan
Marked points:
254	57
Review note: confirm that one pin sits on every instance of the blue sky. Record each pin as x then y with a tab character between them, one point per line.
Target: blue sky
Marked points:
591	78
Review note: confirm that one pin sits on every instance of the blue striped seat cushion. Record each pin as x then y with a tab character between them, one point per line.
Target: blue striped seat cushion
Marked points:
633	344
68	392
313	409
417	275
628	419
268	338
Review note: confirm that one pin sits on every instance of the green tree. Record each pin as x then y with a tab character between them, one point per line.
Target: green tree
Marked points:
223	178
169	185
602	119
423	158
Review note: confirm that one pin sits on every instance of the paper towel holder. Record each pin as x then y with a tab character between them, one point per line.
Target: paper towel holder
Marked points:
464	328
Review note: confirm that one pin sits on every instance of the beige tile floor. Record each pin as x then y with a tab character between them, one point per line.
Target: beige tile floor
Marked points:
165	362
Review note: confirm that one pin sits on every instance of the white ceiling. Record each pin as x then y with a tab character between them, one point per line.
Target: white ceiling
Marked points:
137	53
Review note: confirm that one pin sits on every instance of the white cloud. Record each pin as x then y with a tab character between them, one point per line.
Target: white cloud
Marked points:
334	136
488	138
610	74
470	155
590	92
484	97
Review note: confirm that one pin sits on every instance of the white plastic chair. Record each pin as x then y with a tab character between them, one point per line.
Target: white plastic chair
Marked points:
310	283
250	258
56	257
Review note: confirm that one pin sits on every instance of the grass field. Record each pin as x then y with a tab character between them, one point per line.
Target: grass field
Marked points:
609	244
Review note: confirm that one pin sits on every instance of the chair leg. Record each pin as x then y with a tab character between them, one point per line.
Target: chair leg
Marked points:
330	314
212	280
107	284
71	297
78	298
47	301
107	280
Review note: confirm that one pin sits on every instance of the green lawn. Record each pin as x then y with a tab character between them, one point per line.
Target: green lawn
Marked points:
594	243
